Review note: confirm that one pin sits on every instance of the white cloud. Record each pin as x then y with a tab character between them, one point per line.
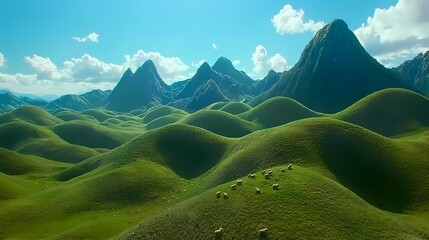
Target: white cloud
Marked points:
85	73
289	20
236	62
395	33
90	69
214	46
93	37
169	68
197	64
263	63
2	60
278	63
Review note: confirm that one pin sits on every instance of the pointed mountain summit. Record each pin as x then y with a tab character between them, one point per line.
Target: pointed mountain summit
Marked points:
140	89
415	72
228	86
224	66
334	71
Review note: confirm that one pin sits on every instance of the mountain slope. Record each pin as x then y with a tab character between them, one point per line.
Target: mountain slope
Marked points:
139	89
415	72
334	71
224	66
205	95
92	99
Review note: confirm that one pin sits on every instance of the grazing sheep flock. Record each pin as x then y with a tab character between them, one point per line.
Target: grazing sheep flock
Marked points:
268	173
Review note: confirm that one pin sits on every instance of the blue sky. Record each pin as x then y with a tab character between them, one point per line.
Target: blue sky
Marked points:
57	47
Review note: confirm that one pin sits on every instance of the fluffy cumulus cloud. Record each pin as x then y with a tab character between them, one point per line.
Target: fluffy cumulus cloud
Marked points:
397	32
169	68
92	37
263	63
2	60
290	21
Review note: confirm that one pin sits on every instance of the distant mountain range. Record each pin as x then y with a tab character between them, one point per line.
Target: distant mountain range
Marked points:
415	72
334	72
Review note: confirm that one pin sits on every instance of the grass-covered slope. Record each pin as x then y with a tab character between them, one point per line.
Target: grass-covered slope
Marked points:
389	112
220	122
390	174
277	111
187	150
13	163
92	135
27	138
30	114
157	112
235	108
307	206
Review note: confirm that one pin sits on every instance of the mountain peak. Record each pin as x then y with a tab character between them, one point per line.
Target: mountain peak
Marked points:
222	62
148	64
339	23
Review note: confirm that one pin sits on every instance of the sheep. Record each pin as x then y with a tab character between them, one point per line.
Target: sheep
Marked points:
218	194
257	191
263	172
239	182
233	186
283	170
253	176
248	175
276	186
289	167
267	176
218	233
225	195
269	172
263	232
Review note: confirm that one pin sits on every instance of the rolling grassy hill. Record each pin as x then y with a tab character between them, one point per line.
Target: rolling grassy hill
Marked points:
357	174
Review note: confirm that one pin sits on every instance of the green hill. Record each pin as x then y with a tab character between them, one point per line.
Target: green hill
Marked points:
389	112
100	114
277	111
307	206
91	135
235	108
220	122
162	111
30	114
187	150
13	163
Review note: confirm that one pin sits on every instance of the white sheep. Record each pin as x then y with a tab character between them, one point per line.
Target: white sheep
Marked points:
263	232
289	167
263	172
233	186
225	195
218	232
218	194
276	186
239	182
283	170
257	191
253	176
267	176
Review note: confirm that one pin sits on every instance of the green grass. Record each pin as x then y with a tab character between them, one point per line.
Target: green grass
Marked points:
235	108
358	174
307	206
92	135
389	112
278	111
220	122
162	111
30	114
